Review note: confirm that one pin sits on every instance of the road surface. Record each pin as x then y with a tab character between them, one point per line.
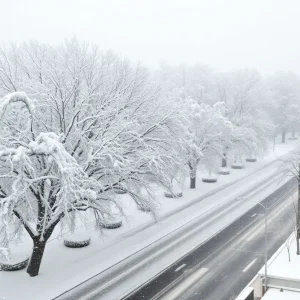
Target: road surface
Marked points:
222	267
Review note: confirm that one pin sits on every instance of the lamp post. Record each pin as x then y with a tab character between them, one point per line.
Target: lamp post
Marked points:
266	242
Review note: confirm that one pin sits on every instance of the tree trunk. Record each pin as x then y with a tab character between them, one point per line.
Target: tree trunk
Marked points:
283	136
193	174
293	132
274	142
193	183
224	161
36	257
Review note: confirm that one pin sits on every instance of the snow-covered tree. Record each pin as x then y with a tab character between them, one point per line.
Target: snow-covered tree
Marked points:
244	97
96	124
209	132
246	108
284	99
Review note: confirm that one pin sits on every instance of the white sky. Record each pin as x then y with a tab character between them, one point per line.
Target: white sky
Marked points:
226	34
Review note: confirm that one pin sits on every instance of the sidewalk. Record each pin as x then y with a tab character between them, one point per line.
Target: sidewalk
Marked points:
65	268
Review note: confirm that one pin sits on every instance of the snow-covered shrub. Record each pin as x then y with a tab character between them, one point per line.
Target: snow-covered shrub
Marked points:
237	166
111	223
293	138
77	240
251	159
173	195
209	179
14	263
224	171
113	219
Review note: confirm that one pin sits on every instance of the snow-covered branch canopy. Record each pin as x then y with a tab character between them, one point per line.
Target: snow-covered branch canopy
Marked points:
97	124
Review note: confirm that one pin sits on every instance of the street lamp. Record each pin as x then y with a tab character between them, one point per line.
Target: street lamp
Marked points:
266	241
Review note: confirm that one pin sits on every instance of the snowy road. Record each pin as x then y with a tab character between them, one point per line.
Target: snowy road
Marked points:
129	274
223	266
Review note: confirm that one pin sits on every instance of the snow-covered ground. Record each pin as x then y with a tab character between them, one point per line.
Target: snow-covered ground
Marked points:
62	268
276	294
279	266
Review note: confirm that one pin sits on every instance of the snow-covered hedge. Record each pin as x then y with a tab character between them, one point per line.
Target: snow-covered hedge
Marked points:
77	240
224	171
173	195
237	166
14	263
251	159
111	224
209	179
113	219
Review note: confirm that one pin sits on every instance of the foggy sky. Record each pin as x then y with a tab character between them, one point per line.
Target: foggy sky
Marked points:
226	34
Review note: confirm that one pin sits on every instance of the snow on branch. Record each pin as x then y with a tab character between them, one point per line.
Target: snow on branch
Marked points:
35	172
13	98
291	164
